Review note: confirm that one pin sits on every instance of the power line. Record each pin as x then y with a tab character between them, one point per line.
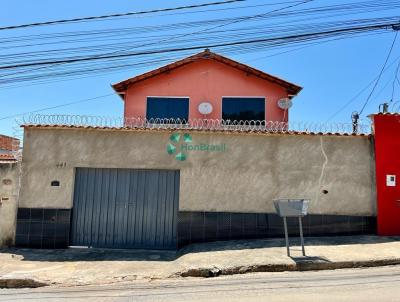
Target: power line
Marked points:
361	91
380	74
112	54
157	42
313	12
91	18
291	49
219	36
96	68
171	50
106	66
382	89
57	106
394	81
112	66
85	100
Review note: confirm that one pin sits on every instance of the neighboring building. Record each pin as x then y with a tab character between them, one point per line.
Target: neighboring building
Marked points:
9	186
234	90
387	161
8	147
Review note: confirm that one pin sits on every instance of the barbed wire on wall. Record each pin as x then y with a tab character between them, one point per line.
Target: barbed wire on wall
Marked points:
193	124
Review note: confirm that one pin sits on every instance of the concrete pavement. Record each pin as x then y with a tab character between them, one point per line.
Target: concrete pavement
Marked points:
366	284
94	266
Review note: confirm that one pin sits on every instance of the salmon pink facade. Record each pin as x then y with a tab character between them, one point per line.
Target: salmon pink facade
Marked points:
206	79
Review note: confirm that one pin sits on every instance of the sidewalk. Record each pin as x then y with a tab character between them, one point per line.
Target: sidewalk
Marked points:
29	267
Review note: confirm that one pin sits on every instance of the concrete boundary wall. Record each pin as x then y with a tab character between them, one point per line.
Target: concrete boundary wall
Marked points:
336	172
9	187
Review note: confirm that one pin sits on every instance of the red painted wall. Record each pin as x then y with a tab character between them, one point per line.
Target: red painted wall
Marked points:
387	158
205	80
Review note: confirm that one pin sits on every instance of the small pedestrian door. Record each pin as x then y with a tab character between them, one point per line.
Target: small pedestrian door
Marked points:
125	208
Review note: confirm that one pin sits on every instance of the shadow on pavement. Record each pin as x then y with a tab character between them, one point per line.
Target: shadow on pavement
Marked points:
90	254
310	259
280	242
96	254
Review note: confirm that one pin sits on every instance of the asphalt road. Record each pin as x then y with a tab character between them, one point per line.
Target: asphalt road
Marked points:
372	284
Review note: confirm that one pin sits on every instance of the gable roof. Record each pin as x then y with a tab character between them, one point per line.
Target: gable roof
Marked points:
207	55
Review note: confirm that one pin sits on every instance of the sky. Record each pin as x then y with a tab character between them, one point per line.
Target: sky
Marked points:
331	73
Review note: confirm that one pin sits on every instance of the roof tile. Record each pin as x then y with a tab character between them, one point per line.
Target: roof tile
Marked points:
244	132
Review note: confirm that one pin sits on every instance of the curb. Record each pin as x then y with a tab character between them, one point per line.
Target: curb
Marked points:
299	266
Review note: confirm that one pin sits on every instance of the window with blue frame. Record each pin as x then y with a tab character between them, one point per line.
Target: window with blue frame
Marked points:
243	109
167	108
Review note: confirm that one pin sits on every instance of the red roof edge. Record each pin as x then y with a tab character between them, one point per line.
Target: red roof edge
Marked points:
106	128
7	157
207	54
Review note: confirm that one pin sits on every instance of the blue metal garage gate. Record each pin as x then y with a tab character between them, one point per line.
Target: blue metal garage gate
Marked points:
125	208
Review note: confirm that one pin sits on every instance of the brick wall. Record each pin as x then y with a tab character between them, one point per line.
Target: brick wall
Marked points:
9	143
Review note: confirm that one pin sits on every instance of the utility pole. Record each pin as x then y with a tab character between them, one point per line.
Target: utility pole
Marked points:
354	119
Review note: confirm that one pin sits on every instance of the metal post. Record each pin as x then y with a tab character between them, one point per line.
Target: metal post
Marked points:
301	236
355	117
286	236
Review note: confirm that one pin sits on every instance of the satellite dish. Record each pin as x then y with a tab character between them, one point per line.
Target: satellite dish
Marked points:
285	103
205	108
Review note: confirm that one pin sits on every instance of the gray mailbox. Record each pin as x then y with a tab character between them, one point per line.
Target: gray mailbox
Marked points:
292	208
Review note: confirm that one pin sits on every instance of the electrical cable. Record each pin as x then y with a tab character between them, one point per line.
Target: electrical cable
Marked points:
207	29
394	81
314	12
170	50
203	37
102	68
380	74
361	91
57	106
118	15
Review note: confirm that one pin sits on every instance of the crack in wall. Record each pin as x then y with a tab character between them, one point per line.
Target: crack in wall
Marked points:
322	170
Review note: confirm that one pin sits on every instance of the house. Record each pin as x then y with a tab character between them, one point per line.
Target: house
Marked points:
231	90
146	185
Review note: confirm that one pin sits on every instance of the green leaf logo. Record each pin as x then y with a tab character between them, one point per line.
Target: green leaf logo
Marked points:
180	156
187	138
171	149
175	138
